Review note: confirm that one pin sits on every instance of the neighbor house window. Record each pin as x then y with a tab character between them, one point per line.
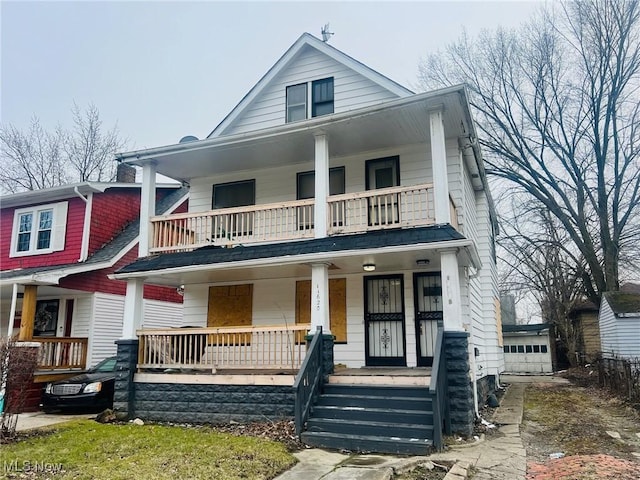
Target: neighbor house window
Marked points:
301	107
39	230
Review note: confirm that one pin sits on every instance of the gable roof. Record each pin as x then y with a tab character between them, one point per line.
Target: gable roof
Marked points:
306	39
105	257
623	303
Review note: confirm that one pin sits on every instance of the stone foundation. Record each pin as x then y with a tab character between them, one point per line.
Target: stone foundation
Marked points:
124	389
460	391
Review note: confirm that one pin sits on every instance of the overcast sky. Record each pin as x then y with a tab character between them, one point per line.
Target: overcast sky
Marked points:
163	70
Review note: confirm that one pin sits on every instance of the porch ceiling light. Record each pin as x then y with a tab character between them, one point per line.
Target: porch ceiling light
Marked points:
369	267
423	261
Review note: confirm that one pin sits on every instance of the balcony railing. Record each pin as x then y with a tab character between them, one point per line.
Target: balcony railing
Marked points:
410	206
383	208
62	353
279	347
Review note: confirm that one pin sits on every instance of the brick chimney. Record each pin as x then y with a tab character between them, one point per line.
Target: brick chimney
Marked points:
125	173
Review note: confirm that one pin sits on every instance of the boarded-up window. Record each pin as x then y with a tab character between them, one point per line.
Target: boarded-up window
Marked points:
337	306
230	306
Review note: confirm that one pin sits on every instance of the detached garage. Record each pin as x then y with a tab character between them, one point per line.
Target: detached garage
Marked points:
527	348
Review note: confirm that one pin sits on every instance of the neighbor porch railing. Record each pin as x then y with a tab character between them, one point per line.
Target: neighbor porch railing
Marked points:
438	390
62	353
308	381
383	208
408	206
280	347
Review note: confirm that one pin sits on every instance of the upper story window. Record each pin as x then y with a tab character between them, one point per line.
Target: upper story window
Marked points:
39	230
301	107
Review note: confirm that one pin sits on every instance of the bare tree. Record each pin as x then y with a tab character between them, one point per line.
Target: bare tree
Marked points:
558	110
37	158
539	258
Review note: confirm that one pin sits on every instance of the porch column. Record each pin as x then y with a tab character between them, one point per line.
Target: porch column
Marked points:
451	308
321	185
28	312
12	312
147	207
439	166
133	310
320	298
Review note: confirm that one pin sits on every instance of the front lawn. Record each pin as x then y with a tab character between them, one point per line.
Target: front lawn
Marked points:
85	449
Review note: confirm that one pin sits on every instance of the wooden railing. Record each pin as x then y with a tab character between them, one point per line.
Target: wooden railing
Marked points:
394	207
383	208
62	353
308	381
280	347
439	394
232	226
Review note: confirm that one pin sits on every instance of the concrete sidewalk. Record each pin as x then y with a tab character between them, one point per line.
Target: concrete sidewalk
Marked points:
29	421
500	456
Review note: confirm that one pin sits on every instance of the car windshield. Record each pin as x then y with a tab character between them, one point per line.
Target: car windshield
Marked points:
107	365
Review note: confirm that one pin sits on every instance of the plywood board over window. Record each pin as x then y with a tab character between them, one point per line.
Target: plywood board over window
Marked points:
337	306
230	306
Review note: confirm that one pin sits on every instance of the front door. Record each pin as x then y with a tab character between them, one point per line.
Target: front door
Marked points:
384	321
427	288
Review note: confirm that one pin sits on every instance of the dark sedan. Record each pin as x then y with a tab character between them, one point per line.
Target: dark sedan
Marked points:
92	390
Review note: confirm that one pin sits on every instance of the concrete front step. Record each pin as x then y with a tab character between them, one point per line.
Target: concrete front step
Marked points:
388	415
380	380
405	391
369	443
375	401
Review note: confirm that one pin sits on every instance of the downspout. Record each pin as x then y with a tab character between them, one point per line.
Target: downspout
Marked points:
84	247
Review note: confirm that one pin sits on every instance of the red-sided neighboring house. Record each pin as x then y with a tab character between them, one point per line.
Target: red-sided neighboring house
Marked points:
58	247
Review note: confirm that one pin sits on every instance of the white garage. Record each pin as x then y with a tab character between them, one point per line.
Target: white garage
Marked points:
527	348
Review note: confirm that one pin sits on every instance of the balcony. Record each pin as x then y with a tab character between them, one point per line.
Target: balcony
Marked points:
395	207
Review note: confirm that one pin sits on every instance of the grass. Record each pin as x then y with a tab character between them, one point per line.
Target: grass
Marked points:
87	450
572	421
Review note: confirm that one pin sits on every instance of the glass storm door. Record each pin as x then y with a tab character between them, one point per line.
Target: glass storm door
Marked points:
384	321
428	305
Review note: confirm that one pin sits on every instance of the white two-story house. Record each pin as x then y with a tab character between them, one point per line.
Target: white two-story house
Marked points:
330	197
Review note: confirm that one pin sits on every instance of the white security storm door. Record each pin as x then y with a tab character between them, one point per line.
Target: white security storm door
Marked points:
427	288
384	321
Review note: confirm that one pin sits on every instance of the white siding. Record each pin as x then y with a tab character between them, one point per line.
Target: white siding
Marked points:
608	333
279	184
619	335
108	312
159	314
351	90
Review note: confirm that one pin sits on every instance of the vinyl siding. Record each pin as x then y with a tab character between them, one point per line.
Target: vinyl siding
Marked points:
108	312
608	332
619	335
279	184
351	90
159	314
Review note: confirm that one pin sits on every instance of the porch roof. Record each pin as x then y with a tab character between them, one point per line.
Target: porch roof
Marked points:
411	242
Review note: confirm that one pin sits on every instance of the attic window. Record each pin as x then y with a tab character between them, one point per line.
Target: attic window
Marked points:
38	230
321	100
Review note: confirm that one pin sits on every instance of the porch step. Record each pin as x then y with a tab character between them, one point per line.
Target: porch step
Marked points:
372	418
369	443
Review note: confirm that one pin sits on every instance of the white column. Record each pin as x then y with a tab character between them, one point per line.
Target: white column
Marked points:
321	185
12	312
320	297
147	207
451	299
133	308
439	164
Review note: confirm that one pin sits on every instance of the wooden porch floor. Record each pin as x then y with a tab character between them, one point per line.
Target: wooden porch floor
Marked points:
412	376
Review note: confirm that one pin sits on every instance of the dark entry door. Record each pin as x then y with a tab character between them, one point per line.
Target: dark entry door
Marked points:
384	321
428	306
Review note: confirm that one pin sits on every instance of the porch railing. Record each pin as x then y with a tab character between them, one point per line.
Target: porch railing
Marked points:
62	353
280	347
308	381
229	226
383	208
407	206
438	390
